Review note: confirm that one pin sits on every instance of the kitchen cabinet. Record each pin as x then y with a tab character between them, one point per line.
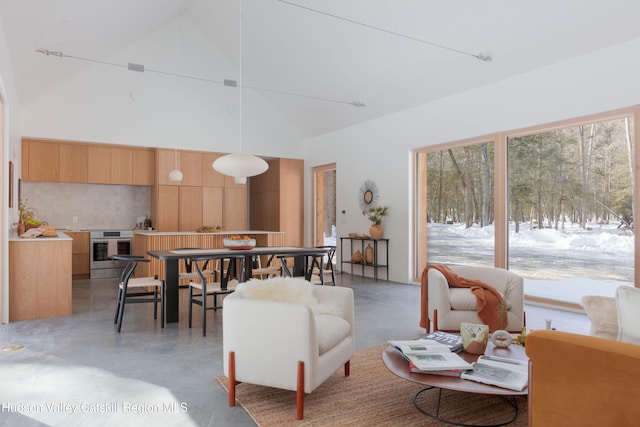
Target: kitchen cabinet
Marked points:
212	206
191	167
210	176
143	166
39	278
73	163
65	161
99	164
276	199
190	208
40	160
234	215
80	262
121	166
165	211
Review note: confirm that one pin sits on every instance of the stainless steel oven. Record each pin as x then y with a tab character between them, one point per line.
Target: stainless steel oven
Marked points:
104	244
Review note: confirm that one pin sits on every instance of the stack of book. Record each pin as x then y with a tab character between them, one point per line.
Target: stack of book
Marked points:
431	357
454	341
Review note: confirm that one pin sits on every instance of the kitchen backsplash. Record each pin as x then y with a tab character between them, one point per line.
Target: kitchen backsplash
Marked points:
93	206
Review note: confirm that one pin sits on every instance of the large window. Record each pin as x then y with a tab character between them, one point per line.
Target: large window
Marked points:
460	211
553	202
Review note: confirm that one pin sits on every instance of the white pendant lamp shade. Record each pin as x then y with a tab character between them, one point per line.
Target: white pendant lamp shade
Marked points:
175	175
240	166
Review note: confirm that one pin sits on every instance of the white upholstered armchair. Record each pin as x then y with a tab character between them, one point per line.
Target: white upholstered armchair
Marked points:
449	306
287	333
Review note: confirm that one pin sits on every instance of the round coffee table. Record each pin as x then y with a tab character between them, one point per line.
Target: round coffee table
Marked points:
398	365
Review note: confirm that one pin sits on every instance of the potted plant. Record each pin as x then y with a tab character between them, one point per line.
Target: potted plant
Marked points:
375	215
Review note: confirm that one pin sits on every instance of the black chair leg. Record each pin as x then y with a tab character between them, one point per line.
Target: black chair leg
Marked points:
155	303
162	305
190	305
115	318
204	314
121	313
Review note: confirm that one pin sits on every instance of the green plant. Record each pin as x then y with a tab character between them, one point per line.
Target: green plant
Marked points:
24	213
376	214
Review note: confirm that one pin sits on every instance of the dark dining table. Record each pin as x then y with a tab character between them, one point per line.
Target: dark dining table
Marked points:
301	267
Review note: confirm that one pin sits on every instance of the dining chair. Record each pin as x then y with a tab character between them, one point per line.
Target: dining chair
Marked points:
325	267
189	272
132	290
260	272
200	288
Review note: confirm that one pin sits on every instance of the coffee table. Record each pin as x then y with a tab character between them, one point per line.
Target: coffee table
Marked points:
398	365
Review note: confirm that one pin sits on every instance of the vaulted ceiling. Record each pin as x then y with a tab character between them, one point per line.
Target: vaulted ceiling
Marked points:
407	53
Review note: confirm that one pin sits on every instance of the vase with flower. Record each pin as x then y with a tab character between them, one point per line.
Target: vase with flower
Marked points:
375	215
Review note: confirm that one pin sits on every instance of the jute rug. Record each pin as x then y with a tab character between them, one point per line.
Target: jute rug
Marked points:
371	396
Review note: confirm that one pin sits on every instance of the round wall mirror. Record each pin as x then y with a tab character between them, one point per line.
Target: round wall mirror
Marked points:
368	195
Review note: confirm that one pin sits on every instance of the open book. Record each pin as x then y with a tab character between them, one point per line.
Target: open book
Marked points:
499	371
428	355
454	341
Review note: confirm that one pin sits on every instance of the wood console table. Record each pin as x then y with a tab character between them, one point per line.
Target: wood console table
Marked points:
376	255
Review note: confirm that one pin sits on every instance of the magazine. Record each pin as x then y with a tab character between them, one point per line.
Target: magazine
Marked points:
428	362
420	346
447	373
499	371
454	341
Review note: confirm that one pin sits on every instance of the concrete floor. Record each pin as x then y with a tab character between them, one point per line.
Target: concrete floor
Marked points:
178	360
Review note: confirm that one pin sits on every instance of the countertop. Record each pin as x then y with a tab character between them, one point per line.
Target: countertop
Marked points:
13	237
190	233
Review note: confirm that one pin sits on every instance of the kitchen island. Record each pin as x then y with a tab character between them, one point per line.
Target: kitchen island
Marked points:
40	282
144	241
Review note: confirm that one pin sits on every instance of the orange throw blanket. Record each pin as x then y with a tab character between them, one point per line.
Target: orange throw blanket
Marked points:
487	297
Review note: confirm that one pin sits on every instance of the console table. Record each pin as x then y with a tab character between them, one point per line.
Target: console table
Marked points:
377	263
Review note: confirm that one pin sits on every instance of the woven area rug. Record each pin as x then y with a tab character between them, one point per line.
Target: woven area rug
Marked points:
371	396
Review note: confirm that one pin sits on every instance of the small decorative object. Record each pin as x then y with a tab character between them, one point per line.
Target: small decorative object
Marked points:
474	337
356	257
500	337
368	254
375	215
353	235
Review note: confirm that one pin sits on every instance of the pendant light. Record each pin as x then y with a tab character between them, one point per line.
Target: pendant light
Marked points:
240	165
175	175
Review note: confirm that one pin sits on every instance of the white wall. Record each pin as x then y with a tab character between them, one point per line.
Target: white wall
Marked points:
381	149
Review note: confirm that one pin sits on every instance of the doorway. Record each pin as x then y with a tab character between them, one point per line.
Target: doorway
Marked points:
324	205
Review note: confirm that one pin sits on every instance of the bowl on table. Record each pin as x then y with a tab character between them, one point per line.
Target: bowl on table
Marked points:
243	243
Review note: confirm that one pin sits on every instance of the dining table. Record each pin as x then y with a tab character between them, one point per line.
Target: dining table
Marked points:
305	258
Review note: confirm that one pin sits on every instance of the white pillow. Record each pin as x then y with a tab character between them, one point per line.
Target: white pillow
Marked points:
628	303
283	289
603	313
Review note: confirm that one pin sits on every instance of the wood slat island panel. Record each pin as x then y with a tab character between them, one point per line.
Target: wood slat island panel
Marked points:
144	241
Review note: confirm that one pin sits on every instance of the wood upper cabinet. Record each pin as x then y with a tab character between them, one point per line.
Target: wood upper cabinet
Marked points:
40	160
99	164
166	162
73	163
143	166
121	166
190	163
210	176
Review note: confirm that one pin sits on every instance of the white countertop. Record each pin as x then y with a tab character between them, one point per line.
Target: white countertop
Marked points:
191	233
13	237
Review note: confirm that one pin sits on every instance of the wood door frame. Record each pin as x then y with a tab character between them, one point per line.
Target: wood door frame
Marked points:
318	201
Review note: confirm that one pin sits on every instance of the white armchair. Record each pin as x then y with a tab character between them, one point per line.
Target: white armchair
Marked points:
287	333
450	306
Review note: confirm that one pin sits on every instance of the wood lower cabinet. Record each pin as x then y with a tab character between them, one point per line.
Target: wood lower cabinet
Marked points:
80	262
39	278
165	208
190	208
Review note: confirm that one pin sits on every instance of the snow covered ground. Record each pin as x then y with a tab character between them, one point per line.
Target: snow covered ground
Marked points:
557	264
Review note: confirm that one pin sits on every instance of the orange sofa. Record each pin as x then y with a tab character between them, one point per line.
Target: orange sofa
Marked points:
580	380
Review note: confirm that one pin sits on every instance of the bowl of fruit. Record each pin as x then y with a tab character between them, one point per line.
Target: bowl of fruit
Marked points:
239	242
209	229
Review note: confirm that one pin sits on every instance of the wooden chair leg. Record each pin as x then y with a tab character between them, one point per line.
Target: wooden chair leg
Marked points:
347	368
435	320
300	392
232	378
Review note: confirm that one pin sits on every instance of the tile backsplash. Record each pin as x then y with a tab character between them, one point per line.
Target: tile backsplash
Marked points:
94	206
